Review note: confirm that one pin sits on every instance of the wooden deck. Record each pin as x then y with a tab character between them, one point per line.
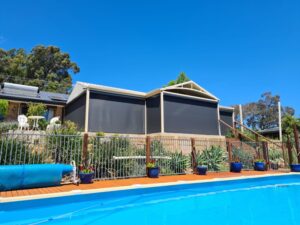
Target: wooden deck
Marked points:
128	182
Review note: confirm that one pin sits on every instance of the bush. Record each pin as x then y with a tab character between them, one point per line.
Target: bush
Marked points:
214	158
104	151
245	157
3	107
68	128
14	152
36	109
65	143
7	126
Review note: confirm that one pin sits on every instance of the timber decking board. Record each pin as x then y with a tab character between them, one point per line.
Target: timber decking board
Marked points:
130	182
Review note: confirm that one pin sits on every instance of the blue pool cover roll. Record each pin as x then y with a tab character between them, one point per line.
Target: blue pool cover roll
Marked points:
13	177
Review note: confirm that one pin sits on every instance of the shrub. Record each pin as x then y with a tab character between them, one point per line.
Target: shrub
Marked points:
245	157
14	152
65	143
104	151
179	163
3	107
36	109
214	158
7	126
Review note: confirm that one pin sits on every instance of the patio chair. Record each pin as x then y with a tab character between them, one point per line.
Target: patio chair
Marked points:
53	124
23	122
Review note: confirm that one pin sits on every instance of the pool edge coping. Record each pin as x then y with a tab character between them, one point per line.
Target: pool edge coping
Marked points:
132	187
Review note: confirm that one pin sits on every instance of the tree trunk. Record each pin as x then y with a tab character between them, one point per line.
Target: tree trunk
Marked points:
296	135
289	147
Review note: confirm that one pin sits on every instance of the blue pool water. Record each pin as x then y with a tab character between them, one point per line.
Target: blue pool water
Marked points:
268	200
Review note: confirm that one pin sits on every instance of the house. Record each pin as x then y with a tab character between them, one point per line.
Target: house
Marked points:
272	133
185	108
19	96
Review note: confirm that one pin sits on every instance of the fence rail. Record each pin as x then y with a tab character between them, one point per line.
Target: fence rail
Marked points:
124	157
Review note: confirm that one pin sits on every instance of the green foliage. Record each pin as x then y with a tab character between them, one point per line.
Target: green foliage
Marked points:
275	155
67	128
259	160
263	114
7	126
36	109
100	134
180	79
288	123
66	143
179	163
3	107
214	158
45	66
14	152
103	155
151	165
229	134
245	157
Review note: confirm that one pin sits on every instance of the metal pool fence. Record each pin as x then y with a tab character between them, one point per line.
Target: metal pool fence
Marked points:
116	157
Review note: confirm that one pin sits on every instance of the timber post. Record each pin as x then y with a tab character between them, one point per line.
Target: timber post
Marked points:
85	149
265	147
194	160
148	151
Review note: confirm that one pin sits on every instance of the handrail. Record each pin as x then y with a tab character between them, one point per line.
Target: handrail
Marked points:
235	130
259	135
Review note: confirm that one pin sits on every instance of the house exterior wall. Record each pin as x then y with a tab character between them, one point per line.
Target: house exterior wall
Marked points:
13	111
153	114
227	117
190	116
111	113
75	111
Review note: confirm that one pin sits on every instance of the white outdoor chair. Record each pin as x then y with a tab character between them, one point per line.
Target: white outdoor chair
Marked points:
23	122
53	124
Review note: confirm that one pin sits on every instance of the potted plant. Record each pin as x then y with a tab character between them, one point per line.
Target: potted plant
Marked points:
295	168
202	170
259	165
152	169
236	166
274	165
86	174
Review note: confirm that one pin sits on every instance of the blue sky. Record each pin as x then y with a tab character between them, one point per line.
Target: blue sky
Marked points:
235	49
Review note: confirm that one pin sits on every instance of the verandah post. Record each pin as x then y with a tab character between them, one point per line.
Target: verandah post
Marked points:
85	149
148	150
194	161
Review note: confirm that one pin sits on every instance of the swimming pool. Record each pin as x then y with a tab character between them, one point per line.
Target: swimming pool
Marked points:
266	200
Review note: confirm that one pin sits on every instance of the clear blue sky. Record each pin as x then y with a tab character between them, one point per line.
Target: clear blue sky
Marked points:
235	49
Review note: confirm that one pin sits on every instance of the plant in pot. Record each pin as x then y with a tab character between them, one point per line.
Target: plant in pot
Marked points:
236	166
201	168
259	165
152	169
86	174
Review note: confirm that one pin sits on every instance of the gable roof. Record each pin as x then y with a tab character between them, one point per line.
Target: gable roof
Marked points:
189	88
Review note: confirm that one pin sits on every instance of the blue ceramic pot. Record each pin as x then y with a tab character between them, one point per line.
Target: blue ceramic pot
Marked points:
236	167
259	166
86	178
295	168
153	172
202	170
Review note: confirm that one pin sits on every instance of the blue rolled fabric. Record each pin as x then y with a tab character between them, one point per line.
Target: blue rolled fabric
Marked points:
15	177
